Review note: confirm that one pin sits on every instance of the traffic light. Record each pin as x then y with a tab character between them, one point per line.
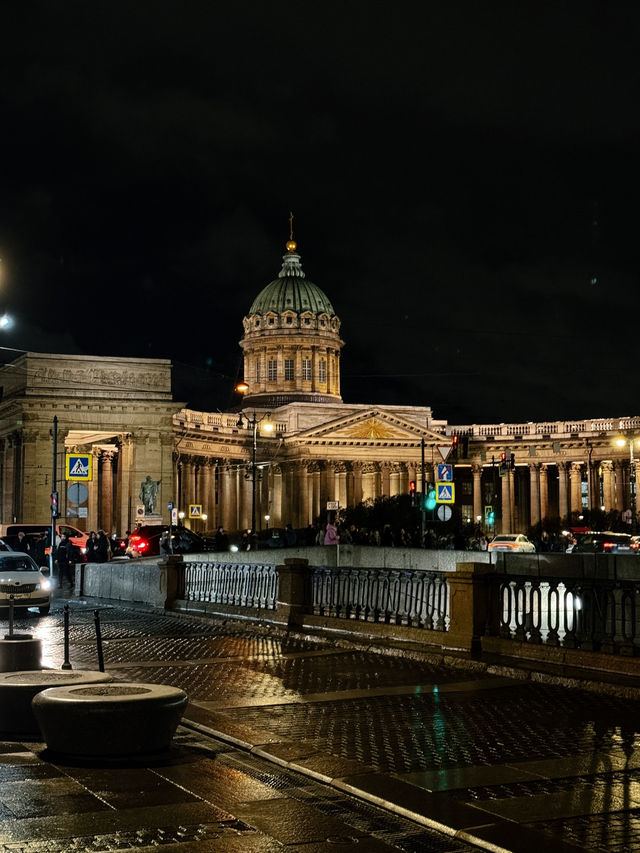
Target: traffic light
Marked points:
489	516
412	492
503	463
454	446
54	504
430	497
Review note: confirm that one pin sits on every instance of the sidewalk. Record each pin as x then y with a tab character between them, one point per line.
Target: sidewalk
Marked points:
499	762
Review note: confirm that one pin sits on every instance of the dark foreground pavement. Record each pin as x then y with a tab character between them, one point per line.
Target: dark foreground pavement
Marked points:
297	743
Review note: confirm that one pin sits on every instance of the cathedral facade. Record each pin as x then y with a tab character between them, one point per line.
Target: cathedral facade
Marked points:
293	450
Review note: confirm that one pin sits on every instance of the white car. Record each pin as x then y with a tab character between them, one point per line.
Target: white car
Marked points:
21	577
512	542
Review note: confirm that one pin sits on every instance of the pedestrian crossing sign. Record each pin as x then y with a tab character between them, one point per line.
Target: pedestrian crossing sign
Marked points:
445	493
79	466
195	510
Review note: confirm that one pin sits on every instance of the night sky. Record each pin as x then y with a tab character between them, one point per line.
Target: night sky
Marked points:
463	176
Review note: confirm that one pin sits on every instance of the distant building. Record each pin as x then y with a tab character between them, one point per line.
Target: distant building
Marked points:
321	452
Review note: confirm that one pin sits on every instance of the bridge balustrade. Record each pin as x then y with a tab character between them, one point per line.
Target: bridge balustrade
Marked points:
575	603
238	584
418	599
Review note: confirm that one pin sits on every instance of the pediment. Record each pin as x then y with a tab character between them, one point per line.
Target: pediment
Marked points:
373	426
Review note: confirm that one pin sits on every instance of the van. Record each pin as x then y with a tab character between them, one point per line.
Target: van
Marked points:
9	533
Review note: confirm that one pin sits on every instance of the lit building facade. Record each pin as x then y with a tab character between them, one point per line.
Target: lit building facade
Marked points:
322	450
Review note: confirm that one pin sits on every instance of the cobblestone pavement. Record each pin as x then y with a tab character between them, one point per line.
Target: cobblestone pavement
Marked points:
507	764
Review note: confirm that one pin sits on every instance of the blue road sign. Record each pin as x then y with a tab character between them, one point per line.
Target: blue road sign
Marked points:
445	493
445	473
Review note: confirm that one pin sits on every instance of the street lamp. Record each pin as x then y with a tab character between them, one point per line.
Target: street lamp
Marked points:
253	422
621	442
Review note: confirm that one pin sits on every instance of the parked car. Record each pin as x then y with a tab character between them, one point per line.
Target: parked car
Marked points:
9	532
145	541
512	542
606	542
21	577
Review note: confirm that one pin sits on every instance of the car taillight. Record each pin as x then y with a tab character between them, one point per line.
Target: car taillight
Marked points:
608	545
141	544
635	545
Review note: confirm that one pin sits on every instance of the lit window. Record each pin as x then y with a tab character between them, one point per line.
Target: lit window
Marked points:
306	369
272	369
322	371
288	369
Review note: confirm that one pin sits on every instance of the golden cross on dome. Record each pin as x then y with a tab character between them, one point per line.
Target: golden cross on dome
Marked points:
291	243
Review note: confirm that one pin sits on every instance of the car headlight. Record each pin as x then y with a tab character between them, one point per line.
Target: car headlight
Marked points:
44	584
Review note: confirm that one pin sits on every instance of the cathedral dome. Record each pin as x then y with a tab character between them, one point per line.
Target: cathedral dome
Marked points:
291	291
291	341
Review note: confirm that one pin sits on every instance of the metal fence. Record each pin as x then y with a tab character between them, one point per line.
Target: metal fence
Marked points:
413	598
582	602
232	583
579	602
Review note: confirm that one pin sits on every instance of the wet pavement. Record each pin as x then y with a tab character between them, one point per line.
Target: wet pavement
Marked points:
303	744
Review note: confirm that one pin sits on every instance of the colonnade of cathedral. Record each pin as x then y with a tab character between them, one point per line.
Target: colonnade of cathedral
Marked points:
297	492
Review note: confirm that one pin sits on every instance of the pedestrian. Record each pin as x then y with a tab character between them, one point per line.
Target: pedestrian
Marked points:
331	534
64	556
22	543
91	548
103	550
222	540
39	552
290	536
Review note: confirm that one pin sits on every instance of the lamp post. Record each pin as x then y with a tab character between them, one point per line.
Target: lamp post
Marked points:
632	478
253	422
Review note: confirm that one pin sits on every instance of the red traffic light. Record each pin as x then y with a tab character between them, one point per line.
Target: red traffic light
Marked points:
412	487
503	457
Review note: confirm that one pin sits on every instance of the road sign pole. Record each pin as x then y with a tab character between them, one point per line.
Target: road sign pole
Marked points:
54	488
423	496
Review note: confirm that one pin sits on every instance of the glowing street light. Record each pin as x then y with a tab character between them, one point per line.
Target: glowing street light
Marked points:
267	427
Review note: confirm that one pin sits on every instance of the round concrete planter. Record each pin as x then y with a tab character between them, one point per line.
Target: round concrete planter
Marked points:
17	689
20	652
109	720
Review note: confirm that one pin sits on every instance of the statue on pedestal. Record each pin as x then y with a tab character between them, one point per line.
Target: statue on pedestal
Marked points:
149	494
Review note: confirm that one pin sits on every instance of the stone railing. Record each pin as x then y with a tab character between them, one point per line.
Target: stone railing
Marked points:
231	583
416	599
574	610
586	602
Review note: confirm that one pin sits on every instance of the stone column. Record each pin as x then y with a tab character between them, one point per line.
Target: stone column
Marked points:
93	521
476	471
357	483
608	485
385	484
575	478
544	492
276	502
563	503
341	484
106	491
302	488
9	477
534	493
206	492
394	481
228	496
369	481
505	526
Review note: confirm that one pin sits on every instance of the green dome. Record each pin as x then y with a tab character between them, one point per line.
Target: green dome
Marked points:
291	291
